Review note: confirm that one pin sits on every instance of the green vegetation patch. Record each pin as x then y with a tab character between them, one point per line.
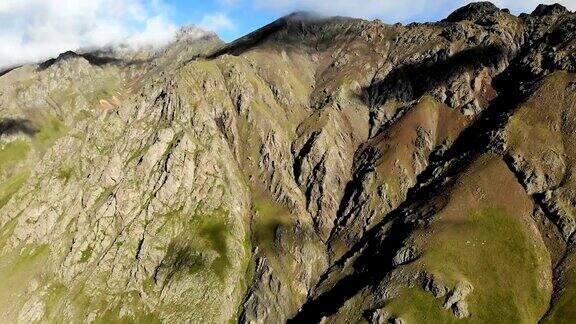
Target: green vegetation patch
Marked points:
6	231
414	305
199	234
273	233
86	254
49	131
9	187
215	232
13	152
138	313
17	270
54	300
125	307
64	174
495	253
102	198
271	218
563	309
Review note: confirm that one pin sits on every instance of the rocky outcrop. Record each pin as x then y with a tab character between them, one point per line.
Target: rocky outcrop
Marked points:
481	13
434	285
456	299
549	10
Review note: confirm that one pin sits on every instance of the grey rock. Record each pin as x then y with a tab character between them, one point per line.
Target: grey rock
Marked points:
458	294
553	9
476	11
404	255
396	320
379	317
432	284
460	309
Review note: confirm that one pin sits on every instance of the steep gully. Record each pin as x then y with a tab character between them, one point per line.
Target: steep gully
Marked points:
376	249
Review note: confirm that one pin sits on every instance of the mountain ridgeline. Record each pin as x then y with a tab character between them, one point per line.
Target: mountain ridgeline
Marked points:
316	170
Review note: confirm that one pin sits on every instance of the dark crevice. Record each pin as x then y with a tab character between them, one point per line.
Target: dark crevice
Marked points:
539	200
491	118
369	268
364	164
411	81
139	248
302	154
556	285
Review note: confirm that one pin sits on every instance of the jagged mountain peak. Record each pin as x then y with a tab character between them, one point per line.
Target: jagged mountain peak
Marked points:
477	11
301	28
192	33
304	16
68	55
553	9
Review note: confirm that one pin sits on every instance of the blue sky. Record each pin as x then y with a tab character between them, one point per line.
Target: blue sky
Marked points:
244	16
34	30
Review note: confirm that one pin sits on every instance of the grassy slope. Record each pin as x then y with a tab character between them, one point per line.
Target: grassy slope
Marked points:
543	127
12	154
17	270
466	251
564	308
397	146
201	251
272	220
484	239
23	265
16	157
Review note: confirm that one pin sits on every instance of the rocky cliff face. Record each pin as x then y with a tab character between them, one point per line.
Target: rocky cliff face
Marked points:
316	170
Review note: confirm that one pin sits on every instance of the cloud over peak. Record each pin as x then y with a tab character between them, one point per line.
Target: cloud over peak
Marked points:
32	30
217	22
393	10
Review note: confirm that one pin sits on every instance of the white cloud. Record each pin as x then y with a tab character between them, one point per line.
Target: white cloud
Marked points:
217	22
529	5
227	2
394	10
366	9
32	30
157	32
